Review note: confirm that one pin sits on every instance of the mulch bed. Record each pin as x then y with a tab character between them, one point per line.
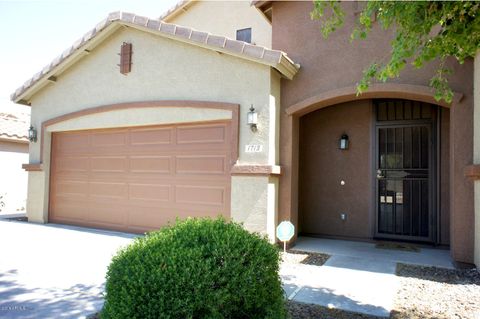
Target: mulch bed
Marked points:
304	257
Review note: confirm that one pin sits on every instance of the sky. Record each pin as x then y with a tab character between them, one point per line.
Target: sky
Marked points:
34	32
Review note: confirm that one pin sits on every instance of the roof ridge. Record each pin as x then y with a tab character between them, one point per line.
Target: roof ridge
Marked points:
235	47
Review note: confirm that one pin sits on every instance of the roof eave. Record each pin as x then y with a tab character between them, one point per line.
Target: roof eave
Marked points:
14	140
288	68
49	77
285	66
264	7
116	20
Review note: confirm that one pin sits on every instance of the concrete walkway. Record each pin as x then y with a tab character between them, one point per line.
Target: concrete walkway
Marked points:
357	277
53	271
425	257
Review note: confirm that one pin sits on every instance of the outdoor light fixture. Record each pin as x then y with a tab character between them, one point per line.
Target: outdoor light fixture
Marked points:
343	143
252	119
32	134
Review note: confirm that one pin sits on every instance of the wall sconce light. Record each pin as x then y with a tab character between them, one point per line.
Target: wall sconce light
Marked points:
343	143
252	119
32	134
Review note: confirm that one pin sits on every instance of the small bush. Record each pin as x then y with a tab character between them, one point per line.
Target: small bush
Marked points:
197	268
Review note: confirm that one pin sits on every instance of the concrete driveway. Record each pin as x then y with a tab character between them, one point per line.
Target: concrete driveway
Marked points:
53	271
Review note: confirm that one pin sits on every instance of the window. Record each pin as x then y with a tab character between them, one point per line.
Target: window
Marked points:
245	35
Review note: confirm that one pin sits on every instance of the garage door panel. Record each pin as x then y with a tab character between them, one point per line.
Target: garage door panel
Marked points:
70	143
108	190
150	192
139	179
108	164
199	212
109	214
151	164
109	139
207	164
205	135
150	136
190	194
72	164
148	218
71	209
71	188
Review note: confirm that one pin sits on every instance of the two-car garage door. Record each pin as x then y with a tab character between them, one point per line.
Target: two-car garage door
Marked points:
139	179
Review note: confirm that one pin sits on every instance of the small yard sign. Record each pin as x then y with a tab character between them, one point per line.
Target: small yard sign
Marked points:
285	232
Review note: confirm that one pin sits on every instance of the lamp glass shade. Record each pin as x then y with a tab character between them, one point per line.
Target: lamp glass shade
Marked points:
343	144
252	117
32	134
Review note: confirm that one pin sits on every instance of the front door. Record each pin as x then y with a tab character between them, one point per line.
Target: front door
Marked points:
405	170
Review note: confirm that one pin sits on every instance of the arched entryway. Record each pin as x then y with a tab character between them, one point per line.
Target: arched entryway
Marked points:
458	198
387	183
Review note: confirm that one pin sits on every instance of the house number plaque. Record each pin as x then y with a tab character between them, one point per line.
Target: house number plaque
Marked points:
253	148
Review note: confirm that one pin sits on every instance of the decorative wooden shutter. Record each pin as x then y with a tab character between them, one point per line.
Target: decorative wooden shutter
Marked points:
126	58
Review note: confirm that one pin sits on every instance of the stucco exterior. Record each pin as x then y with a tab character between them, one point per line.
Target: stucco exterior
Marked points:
281	181
324	80
225	18
476	156
176	71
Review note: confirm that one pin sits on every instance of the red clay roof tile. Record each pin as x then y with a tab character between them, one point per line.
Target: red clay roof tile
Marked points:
214	42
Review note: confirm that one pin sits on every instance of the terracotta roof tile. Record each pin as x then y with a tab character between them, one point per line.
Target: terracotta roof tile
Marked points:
234	45
199	36
168	28
214	42
173	9
183	32
153	24
273	56
254	51
140	20
14	125
127	17
114	16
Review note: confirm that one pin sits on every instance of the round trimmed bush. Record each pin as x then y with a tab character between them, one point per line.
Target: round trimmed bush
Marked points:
197	268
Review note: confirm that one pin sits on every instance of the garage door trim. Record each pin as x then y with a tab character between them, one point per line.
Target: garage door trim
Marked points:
233	107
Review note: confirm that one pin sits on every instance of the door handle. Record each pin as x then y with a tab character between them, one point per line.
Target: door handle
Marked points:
380	174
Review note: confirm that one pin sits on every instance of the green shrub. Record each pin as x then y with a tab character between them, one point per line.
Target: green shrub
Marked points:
197	268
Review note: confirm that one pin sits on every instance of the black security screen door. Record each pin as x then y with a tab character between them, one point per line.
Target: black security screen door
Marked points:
404	170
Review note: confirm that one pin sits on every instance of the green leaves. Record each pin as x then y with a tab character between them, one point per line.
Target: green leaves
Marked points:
424	31
334	21
197	268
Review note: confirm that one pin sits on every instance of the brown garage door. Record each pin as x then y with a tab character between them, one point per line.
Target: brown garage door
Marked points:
139	179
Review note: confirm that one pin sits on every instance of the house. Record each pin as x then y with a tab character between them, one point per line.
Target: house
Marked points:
144	120
13	153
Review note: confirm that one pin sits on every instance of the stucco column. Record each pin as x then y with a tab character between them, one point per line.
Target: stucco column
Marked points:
288	188
461	187
476	155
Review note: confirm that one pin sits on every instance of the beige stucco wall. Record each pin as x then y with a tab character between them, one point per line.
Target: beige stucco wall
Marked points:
476	155
225	18
162	69
13	179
